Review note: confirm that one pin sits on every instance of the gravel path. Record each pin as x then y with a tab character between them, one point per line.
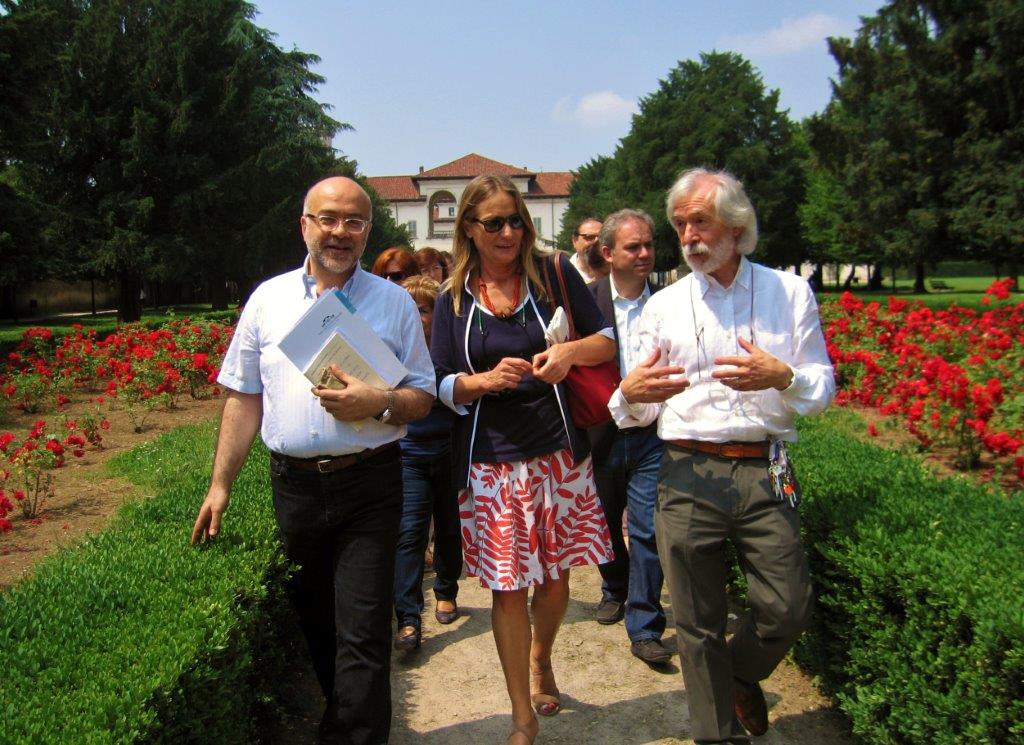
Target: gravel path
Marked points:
451	689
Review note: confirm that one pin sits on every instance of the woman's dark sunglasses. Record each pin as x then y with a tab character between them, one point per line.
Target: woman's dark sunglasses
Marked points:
495	224
394	276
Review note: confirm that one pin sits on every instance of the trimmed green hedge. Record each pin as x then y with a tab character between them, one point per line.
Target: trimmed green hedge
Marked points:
137	636
919	630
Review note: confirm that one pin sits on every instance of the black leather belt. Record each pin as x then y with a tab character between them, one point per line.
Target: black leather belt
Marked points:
732	450
330	463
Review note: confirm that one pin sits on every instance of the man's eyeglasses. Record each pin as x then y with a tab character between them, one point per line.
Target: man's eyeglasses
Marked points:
588	236
353	225
495	224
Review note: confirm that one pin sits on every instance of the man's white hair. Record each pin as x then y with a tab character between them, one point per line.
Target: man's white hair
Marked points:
732	206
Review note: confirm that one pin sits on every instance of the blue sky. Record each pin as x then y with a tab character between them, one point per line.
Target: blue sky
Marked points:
543	85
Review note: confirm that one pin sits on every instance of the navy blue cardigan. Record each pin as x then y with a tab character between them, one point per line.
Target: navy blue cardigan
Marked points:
449	351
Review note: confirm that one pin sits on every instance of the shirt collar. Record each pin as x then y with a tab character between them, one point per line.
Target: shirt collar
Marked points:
309	281
617	297
743	274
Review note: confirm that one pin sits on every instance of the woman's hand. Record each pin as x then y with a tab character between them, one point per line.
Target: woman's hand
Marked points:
552	365
505	375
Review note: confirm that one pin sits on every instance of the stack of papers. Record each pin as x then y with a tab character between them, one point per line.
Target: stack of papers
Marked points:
332	333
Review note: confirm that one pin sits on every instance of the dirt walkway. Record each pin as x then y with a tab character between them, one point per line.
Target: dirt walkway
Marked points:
451	690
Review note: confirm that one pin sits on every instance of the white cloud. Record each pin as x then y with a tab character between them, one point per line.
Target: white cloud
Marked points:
790	36
601	108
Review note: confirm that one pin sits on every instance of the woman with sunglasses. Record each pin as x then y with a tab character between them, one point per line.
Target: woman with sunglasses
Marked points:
395	264
528	505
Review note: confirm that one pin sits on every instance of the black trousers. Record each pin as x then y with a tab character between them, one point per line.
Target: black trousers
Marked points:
341	529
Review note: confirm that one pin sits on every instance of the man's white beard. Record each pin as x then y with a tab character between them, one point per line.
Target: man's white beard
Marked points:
717	255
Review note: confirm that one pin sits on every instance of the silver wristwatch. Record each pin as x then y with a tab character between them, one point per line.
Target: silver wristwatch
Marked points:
389	409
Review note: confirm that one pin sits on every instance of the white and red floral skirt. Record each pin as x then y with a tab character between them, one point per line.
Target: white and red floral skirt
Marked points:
525	522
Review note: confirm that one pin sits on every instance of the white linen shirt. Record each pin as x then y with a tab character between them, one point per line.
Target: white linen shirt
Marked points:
627	325
294	422
581	266
697	320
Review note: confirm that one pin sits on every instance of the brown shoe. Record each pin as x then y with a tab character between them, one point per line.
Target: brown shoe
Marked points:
750	706
610	611
446	615
407	638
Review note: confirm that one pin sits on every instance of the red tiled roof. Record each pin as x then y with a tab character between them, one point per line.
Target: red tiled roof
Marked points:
394	188
470	166
550	184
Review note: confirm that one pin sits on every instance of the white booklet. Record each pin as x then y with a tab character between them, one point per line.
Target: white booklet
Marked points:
332	333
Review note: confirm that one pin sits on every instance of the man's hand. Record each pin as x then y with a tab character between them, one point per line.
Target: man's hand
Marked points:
208	522
505	375
648	384
758	372
353	403
552	365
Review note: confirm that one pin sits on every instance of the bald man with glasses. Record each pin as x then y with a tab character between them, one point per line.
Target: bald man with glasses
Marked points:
334	458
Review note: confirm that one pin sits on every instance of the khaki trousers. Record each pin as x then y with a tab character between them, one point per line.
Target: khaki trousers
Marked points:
704	503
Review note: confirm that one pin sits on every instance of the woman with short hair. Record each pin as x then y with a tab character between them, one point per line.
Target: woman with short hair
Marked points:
431	263
395	264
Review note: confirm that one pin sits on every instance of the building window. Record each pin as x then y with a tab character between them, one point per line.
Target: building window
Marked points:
536	225
451	212
411	227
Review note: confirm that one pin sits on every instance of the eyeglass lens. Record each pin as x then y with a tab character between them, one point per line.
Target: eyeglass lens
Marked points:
494	224
352	224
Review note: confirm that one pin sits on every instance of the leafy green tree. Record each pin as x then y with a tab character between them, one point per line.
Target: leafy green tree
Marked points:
588	197
982	49
173	137
924	133
715	113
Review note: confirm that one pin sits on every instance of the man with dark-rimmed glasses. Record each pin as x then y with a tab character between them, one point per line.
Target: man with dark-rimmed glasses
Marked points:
334	458
583	238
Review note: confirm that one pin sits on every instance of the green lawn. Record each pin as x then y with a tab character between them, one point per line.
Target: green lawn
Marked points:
965	291
105	322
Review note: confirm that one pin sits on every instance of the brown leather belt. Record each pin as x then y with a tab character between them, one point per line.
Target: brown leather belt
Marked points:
732	450
328	463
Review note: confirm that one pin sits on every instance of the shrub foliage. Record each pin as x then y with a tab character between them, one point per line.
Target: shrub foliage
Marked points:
919	630
137	636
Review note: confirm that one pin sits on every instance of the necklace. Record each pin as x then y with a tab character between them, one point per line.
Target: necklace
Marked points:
509	310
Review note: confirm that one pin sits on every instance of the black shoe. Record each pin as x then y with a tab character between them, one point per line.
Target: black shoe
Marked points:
751	708
446	616
610	611
650	651
407	638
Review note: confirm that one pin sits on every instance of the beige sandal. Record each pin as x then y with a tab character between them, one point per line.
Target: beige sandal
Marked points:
544	703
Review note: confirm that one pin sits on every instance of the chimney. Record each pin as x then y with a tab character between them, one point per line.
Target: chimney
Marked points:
421	169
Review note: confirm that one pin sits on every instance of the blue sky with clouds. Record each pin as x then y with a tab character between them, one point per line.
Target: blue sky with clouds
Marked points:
543	85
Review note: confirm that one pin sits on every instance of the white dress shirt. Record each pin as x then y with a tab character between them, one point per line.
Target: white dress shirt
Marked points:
294	422
627	325
697	320
581	266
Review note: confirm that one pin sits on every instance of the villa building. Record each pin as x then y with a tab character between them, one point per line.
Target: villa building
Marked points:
426	202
